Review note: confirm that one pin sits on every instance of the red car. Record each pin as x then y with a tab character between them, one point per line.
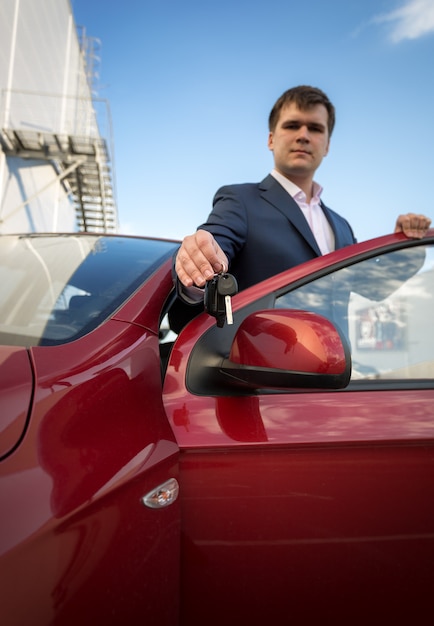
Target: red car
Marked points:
277	470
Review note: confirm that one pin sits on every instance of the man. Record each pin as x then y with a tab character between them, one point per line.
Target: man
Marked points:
258	230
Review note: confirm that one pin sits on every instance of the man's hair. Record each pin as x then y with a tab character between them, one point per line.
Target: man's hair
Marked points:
304	97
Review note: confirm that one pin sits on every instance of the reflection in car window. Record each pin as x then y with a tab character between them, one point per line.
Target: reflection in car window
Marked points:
56	288
385	307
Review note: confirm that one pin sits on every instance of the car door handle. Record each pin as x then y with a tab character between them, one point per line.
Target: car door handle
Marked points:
163	495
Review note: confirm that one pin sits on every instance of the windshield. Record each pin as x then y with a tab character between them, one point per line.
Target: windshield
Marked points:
55	288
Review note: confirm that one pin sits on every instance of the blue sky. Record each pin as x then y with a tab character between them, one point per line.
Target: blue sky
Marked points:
191	83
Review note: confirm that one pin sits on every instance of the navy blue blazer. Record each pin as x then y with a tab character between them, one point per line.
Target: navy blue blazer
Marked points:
263	231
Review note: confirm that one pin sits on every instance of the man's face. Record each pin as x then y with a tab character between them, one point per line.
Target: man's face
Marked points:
300	141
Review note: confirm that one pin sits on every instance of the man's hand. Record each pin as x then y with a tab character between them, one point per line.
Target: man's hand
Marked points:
199	258
412	225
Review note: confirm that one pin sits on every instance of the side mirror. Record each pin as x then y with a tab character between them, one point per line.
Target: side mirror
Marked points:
283	349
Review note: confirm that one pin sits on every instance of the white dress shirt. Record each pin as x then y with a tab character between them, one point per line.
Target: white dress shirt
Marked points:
312	211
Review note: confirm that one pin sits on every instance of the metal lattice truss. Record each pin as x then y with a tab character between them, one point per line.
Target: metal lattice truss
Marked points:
82	163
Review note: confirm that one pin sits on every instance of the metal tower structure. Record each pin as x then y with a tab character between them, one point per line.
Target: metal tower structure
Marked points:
64	130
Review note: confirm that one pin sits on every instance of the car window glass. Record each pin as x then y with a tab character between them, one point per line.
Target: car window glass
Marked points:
385	307
56	288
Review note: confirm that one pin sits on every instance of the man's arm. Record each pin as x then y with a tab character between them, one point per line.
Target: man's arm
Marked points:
212	247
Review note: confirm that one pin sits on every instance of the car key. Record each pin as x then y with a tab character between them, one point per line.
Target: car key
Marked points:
217	297
227	287
210	299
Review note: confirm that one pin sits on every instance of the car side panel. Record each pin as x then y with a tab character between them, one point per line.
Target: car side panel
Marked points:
333	535
306	506
75	538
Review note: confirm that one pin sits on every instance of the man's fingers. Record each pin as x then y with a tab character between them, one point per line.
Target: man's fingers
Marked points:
210	249
413	225
199	258
192	272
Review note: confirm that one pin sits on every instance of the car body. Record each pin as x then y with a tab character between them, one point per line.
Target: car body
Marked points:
277	470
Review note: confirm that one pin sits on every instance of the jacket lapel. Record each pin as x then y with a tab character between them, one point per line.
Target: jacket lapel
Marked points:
275	194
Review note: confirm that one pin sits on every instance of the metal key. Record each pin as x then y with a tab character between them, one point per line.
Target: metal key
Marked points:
217	297
227	287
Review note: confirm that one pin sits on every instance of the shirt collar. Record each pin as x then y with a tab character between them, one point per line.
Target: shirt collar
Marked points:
294	190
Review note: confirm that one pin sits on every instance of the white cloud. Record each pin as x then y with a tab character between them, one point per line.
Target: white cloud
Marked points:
412	20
